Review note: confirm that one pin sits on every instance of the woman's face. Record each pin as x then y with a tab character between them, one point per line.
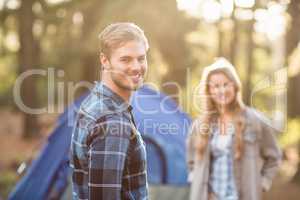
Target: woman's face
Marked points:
221	89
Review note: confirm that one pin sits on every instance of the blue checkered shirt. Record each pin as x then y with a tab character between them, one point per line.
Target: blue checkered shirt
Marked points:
108	157
222	181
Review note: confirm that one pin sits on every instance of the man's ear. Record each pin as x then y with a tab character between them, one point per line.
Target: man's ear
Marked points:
104	61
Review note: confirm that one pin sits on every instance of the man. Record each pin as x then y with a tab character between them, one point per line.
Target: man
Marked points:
108	155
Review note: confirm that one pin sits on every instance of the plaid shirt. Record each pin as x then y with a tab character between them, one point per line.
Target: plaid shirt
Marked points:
222	181
108	157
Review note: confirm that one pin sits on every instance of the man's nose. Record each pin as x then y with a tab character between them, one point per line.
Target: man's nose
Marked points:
136	65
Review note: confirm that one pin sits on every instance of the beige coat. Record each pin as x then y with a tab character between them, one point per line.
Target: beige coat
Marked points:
256	169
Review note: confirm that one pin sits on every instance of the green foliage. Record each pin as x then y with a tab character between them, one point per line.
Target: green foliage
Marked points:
7	181
7	77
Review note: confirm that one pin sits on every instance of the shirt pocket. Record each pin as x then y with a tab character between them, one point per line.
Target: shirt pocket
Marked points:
250	142
250	137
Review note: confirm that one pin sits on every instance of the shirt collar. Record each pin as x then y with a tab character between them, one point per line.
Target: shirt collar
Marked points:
118	101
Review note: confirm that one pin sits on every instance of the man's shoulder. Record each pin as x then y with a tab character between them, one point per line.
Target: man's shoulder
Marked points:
97	118
99	111
96	106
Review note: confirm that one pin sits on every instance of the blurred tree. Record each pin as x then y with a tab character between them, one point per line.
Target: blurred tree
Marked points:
250	62
168	27
292	40
28	60
221	52
293	36
235	37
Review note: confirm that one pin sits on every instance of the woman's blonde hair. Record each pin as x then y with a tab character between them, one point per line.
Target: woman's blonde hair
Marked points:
209	111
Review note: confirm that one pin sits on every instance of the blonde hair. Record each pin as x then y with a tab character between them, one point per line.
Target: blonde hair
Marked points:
115	35
209	111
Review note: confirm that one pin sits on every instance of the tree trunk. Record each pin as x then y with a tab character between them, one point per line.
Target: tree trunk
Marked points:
28	59
90	58
250	63
234	39
292	40
220	39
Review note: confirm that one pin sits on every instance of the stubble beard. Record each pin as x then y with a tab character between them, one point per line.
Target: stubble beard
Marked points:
118	82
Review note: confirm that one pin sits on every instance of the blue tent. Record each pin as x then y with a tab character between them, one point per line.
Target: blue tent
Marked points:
162	125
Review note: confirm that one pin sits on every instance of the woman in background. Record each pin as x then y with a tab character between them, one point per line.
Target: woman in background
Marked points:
232	153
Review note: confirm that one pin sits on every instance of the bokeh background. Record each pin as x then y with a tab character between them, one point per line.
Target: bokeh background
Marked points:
59	38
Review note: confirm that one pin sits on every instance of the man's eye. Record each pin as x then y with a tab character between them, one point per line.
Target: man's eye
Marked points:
126	60
141	59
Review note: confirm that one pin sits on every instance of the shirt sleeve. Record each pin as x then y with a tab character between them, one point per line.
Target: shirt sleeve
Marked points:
190	151
194	129
107	155
271	154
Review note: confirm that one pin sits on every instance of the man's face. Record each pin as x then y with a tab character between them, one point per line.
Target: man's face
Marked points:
127	65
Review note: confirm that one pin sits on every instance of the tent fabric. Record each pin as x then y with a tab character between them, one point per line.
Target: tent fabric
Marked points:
164	128
162	125
37	181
